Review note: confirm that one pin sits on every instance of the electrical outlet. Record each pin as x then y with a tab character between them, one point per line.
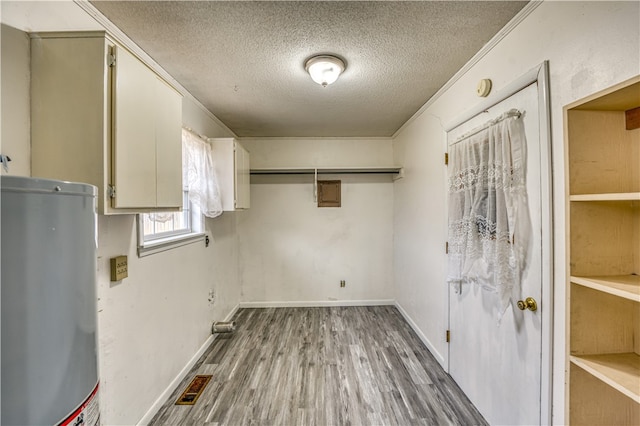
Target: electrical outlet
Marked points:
343	283
119	268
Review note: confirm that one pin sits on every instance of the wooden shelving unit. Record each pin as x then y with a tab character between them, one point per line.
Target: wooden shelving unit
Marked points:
625	286
603	159
620	371
627	196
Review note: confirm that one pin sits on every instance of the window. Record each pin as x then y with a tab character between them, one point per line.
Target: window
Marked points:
160	231
162	225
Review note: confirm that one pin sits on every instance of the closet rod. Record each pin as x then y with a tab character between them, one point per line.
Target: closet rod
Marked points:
485	126
311	171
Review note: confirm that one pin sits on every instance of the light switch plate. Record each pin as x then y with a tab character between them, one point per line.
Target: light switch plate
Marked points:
119	268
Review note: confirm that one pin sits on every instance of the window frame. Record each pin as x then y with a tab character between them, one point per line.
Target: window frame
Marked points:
162	241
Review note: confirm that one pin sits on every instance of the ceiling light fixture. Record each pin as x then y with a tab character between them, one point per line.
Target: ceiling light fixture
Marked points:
324	69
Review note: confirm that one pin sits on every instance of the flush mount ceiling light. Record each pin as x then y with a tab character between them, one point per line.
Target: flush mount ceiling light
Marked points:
324	69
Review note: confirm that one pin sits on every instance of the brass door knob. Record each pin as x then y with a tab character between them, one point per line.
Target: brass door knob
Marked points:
528	303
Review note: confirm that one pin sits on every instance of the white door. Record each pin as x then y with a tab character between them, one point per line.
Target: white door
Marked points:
499	365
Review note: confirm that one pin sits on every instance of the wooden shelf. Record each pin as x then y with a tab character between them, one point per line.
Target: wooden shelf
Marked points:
624	196
327	170
620	371
604	239
626	286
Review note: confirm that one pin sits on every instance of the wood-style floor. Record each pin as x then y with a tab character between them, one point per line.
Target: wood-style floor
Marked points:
321	366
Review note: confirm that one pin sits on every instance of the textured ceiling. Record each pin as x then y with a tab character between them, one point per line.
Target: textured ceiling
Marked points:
245	60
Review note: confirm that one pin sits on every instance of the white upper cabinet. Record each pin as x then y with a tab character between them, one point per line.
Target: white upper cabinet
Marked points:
243	177
101	116
134	127
168	152
233	170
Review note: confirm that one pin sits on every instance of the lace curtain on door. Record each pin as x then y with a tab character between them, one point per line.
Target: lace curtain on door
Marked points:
489	223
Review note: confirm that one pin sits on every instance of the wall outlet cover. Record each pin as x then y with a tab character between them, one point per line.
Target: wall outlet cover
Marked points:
119	268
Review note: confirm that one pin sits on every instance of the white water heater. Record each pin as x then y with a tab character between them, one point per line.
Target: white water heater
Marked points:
48	299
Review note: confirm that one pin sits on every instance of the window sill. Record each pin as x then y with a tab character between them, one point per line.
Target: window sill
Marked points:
164	244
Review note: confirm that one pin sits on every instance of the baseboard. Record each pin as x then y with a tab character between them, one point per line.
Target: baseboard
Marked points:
421	335
159	402
232	313
316	304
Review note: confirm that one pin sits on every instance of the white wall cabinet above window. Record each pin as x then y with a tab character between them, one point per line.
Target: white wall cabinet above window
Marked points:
101	116
232	167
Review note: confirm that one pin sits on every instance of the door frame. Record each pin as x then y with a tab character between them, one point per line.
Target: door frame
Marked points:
539	74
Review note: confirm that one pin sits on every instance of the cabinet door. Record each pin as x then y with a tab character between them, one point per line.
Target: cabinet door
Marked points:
168	106
68	118
224	165
134	134
243	177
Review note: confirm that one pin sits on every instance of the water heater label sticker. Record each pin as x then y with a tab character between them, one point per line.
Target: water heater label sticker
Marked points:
88	414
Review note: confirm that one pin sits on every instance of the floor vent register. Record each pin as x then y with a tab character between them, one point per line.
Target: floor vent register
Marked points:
194	390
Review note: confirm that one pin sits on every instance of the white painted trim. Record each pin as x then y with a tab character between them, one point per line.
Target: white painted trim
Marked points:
315	138
438	356
121	38
164	244
546	186
317	304
229	317
514	87
447	296
511	25
159	402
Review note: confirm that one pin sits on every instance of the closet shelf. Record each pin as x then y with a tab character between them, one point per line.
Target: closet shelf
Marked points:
327	170
615	196
620	371
626	286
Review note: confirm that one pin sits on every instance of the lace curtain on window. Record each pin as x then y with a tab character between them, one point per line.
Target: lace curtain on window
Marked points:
489	223
198	175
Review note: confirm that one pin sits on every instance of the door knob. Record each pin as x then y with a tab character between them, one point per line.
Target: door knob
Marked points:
528	303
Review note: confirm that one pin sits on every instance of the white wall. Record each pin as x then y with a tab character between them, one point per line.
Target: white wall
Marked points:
152	323
15	121
420	231
291	251
319	152
200	120
590	46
